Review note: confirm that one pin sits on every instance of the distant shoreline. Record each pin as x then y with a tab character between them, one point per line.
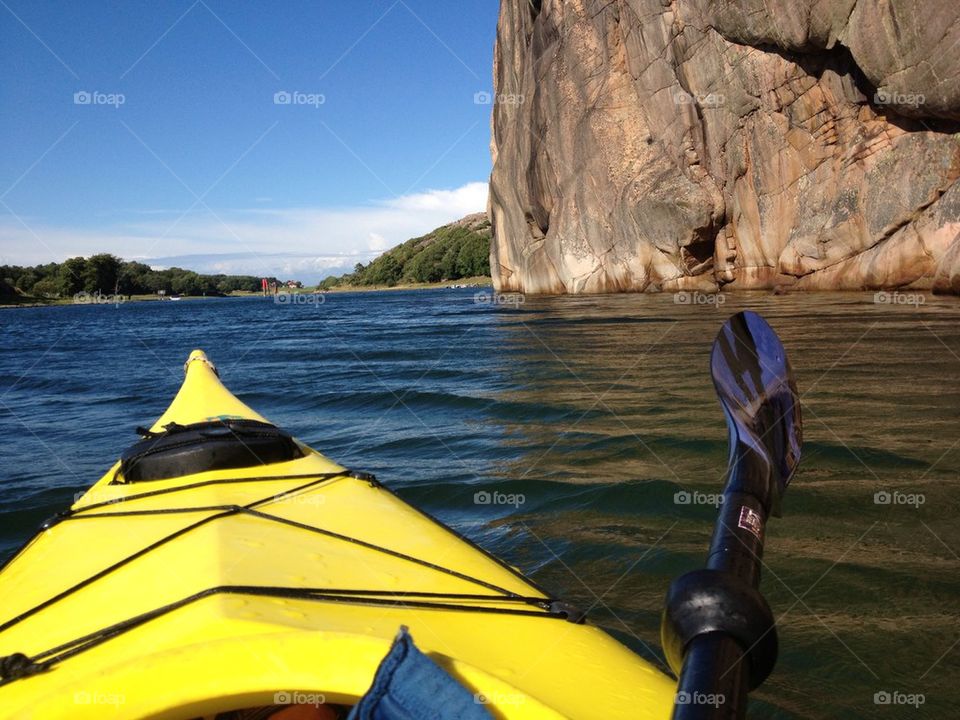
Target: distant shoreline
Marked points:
22	301
28	301
478	282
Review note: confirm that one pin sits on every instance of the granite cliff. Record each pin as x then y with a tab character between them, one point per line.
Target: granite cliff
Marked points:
644	145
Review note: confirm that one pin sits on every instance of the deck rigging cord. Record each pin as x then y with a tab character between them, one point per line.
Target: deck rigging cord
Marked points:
18	665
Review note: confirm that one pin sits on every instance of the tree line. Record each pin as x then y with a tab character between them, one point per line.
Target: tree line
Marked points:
107	274
451	252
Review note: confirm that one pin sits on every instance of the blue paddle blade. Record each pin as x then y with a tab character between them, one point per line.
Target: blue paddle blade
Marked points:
759	396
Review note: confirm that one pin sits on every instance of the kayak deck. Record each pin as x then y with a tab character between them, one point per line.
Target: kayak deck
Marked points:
218	590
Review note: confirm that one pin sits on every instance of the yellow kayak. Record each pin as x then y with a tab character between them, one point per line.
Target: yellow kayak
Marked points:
221	563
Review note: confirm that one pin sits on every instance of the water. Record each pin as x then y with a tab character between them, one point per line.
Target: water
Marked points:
597	411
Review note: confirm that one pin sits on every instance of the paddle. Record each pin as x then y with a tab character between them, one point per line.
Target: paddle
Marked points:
718	632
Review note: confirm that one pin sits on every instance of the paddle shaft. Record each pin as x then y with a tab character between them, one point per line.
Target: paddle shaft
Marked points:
713	684
718	631
715	677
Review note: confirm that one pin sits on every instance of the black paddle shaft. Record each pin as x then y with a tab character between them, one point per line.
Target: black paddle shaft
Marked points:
718	631
715	678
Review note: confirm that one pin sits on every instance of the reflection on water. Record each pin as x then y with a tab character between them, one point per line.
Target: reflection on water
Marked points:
594	418
864	578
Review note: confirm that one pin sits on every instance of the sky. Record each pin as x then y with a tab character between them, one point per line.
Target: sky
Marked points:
292	138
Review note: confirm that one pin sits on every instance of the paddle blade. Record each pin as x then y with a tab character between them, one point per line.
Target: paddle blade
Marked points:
756	389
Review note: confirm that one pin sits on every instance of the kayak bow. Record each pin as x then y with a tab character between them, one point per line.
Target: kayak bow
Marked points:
222	562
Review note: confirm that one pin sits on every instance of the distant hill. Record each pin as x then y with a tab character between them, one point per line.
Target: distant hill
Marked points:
458	250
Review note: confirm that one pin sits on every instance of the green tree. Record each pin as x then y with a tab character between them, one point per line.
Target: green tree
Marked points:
186	282
423	268
104	273
101	273
132	278
48	287
385	270
25	282
71	276
153	281
473	258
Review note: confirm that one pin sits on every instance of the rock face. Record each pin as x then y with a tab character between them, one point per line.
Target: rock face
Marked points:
473	221
693	144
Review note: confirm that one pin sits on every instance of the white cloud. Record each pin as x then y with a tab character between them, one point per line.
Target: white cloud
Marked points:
469	198
378	243
305	243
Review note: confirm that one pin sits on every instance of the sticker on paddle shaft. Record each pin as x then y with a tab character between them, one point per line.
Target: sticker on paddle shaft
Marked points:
751	520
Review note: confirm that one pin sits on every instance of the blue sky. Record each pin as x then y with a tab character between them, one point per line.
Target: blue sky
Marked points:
155	130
